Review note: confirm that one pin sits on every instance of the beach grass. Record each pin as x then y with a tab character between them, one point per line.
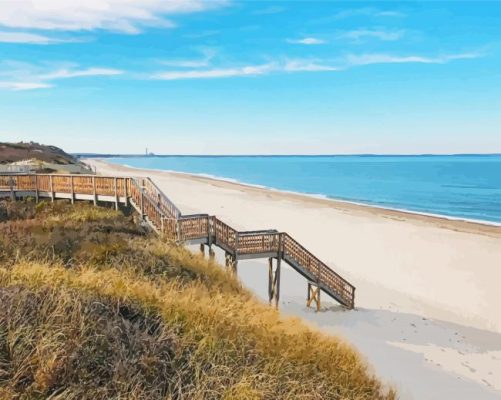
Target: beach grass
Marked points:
94	306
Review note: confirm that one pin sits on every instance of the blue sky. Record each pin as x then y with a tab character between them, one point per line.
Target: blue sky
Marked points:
252	77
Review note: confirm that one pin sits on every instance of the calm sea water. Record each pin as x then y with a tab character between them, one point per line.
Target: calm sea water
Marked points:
466	187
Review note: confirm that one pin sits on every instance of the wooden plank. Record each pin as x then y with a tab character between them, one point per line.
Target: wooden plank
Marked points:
164	217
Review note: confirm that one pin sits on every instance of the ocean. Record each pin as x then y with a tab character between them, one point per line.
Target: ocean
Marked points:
456	186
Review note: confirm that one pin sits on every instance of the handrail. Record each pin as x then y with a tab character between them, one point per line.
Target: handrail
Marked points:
263	231
164	201
167	219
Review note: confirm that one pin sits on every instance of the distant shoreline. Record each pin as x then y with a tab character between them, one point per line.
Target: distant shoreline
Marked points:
99	156
450	222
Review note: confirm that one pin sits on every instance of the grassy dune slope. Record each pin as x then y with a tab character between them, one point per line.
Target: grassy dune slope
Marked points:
93	307
11	152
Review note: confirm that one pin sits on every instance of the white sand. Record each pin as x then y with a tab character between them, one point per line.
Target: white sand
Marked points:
428	317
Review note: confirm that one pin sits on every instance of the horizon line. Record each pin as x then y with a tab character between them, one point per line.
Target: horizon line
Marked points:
283	155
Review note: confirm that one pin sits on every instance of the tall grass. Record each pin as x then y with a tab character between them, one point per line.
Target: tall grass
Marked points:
147	319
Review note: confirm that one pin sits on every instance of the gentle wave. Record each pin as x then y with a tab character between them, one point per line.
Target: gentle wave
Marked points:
464	188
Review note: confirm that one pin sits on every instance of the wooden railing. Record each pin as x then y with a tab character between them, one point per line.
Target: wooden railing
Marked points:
166	219
193	227
258	242
69	184
163	202
294	252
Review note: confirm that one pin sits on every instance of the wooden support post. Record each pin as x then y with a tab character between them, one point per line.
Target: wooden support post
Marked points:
36	188
236	246
126	192
51	189
212	254
313	295
116	194
202	249
142	204
231	263
72	190
270	279
178	231
277	282
212	230
11	186
209	239
94	190
274	281
234	266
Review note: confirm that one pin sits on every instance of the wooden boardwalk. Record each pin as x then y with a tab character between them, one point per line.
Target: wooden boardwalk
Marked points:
203	229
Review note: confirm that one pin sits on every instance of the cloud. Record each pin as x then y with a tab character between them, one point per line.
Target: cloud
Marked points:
209	54
308	66
269	10
306	41
66	73
30	38
19	86
359	34
368	12
291	66
116	15
368	59
21	76
251	70
396	14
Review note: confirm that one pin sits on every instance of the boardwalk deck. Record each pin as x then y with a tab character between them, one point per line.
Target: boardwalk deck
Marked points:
167	220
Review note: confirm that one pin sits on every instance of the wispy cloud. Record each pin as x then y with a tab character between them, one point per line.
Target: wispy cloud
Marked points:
67	73
368	12
208	55
31	38
307	41
19	86
309	65
21	76
116	15
397	14
250	70
359	34
374	58
270	10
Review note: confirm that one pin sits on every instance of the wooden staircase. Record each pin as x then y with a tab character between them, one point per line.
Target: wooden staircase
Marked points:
167	220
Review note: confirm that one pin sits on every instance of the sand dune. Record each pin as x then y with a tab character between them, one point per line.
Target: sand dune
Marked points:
428	293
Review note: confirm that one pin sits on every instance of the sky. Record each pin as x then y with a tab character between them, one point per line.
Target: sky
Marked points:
252	77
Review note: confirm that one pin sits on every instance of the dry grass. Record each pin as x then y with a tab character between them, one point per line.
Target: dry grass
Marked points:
133	317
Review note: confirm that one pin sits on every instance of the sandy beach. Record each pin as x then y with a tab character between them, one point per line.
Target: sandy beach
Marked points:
427	313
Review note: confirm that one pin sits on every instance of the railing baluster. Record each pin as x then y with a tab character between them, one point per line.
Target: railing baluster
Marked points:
165	217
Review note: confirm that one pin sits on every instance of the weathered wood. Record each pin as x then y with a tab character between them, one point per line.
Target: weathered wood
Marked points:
94	190
166	219
313	295
116	193
36	188
51	189
72	190
274	282
11	188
